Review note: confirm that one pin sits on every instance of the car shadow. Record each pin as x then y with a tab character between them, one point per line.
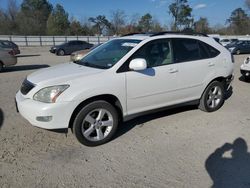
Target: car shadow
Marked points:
242	79
1	118
34	55
139	121
24	68
229	165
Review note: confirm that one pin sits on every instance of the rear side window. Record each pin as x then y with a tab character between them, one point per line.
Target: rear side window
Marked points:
185	50
190	50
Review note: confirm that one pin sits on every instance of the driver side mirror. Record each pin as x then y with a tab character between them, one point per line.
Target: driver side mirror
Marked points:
138	64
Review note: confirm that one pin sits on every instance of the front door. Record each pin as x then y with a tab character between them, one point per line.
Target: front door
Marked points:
157	86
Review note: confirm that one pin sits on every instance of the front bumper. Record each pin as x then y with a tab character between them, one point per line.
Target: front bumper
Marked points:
52	51
245	70
31	110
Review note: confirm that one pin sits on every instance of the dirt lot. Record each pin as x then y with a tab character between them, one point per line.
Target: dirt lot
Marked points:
166	149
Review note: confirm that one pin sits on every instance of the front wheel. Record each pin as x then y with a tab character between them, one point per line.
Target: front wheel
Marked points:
61	52
213	97
96	123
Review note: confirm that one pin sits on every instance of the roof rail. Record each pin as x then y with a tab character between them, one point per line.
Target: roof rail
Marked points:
142	33
179	33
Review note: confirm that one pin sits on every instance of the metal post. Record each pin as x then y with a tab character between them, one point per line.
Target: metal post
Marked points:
54	41
98	39
10	38
40	38
26	41
88	39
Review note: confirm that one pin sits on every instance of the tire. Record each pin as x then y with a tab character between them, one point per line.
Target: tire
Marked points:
213	97
1	66
61	52
88	125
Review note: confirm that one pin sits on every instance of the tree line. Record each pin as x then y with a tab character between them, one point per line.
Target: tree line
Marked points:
39	17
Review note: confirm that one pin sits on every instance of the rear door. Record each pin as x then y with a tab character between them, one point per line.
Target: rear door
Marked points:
195	66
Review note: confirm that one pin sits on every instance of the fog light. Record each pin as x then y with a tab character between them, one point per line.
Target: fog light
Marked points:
44	118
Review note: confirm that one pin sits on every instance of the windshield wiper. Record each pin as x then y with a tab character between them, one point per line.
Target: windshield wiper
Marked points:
87	64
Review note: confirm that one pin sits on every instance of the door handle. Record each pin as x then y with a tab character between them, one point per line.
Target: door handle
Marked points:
172	70
211	64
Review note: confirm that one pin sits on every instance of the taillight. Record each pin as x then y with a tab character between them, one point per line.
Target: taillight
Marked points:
11	52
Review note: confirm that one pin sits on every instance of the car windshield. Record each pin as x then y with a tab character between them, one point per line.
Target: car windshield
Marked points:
108	54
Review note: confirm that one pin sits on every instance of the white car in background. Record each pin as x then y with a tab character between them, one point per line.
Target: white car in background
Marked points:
245	69
124	78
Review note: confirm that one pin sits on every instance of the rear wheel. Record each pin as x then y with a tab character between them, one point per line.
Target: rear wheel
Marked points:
213	97
61	52
96	123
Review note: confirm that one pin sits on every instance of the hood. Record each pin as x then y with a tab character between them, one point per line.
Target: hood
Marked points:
62	73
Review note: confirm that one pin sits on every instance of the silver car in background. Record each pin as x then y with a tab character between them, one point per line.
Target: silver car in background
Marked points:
7	58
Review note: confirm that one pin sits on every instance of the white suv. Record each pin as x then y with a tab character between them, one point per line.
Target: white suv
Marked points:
123	78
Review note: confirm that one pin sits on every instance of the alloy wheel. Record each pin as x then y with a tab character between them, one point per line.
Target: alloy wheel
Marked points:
97	125
214	97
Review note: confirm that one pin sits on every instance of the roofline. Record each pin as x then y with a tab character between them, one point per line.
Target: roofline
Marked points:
153	34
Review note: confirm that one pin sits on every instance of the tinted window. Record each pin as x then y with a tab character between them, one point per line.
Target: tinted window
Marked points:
156	53
204	52
212	51
185	50
79	42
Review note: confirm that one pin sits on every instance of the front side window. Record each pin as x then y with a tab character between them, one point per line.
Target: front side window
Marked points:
108	54
156	53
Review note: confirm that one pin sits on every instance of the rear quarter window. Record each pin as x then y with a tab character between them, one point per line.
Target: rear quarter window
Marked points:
212	52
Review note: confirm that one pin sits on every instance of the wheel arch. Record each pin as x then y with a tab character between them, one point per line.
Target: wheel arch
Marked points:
219	79
112	99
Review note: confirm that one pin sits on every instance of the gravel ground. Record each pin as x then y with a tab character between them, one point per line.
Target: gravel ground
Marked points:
166	149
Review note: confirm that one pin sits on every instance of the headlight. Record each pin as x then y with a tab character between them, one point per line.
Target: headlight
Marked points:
49	94
231	49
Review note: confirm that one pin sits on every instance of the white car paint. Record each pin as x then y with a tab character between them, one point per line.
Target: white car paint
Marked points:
246	67
137	91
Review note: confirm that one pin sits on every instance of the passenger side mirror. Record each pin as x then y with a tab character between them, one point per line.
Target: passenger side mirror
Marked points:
138	64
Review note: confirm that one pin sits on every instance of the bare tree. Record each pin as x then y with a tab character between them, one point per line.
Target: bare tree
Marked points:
12	9
118	21
247	3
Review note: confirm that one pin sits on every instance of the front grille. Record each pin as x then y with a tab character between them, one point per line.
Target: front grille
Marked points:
26	87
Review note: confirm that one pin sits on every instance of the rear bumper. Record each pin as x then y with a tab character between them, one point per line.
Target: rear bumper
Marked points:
10	61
